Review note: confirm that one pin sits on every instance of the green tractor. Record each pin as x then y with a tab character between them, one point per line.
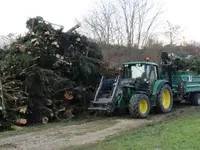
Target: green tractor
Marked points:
138	89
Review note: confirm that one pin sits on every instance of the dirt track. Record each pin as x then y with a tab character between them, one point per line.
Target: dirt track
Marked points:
59	136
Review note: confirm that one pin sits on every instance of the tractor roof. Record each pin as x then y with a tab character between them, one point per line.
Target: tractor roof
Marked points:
140	62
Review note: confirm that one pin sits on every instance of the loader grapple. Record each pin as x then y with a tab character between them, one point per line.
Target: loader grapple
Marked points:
105	95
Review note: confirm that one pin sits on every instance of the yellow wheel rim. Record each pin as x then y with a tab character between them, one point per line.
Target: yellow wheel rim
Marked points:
143	106
166	98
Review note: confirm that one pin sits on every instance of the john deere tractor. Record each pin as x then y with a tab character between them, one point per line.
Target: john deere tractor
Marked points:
138	89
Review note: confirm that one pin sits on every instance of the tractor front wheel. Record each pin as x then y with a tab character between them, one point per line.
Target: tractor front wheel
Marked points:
164	102
139	106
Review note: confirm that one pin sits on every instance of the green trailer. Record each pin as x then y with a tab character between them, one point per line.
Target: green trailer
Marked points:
142	86
186	86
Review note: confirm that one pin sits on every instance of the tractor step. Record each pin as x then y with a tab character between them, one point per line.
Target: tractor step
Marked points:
97	108
102	101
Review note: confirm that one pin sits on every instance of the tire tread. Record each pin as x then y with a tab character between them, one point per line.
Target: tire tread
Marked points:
134	106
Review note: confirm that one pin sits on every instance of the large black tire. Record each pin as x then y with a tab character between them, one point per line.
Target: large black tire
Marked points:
195	99
139	106
164	101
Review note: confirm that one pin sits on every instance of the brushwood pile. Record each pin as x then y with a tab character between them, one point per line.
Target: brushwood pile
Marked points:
47	74
189	63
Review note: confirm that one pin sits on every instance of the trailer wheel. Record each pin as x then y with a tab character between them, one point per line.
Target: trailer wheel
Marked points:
195	99
164	101
139	106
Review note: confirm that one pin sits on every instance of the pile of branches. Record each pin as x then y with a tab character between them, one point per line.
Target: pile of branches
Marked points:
190	64
47	74
184	64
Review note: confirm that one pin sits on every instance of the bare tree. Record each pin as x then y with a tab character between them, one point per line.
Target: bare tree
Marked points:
100	22
7	39
148	12
139	17
127	22
118	34
153	41
129	10
150	22
172	32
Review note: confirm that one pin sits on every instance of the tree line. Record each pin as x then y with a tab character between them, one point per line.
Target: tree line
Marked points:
127	22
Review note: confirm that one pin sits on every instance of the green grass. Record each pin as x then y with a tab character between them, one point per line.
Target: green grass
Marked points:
182	133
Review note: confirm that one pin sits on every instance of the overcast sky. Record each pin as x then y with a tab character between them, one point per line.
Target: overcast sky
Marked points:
14	13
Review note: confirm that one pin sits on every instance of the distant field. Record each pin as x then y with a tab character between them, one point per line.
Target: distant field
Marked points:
182	133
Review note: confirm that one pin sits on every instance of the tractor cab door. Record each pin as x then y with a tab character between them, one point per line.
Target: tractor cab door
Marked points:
148	77
153	75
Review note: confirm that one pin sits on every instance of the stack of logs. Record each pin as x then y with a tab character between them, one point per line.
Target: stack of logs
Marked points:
47	74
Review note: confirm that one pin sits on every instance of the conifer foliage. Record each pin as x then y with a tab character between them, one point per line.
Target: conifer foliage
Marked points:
46	74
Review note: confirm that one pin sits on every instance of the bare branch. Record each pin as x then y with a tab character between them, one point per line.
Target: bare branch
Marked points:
125	22
172	32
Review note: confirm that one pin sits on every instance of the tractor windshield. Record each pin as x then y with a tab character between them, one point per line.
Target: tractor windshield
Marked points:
139	71
136	71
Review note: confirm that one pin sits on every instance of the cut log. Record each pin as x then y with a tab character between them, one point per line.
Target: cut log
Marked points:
68	95
21	121
44	120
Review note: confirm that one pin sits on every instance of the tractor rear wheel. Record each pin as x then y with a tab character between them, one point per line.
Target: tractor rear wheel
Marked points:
164	102
195	99
139	106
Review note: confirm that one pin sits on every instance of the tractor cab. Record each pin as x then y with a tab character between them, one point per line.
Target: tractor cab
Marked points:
143	73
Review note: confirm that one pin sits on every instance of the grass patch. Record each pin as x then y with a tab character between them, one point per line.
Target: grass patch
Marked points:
179	133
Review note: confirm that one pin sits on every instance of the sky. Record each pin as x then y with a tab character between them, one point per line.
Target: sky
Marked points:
184	13
14	13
